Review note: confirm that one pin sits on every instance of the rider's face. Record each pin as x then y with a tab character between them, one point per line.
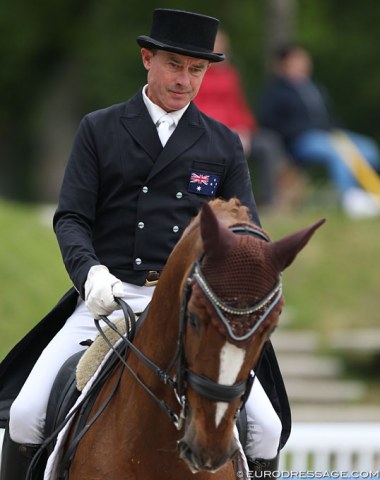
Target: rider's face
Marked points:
173	79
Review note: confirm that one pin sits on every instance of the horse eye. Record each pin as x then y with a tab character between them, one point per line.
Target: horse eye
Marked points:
193	320
271	331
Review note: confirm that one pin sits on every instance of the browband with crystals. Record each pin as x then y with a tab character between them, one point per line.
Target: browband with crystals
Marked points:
269	300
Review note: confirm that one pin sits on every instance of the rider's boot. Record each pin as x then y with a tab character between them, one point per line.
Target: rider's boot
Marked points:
261	468
16	458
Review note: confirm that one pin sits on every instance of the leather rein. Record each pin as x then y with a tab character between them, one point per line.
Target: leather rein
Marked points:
184	376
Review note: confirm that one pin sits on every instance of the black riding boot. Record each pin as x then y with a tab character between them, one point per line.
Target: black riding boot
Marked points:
16	458
261	468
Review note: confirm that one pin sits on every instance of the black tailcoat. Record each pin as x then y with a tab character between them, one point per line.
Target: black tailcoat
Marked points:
125	200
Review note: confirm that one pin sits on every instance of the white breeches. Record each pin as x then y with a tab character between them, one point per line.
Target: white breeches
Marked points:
263	425
28	411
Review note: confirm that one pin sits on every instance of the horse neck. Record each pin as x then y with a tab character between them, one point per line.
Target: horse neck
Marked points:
158	335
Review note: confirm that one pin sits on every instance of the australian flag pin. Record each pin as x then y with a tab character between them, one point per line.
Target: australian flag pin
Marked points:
203	183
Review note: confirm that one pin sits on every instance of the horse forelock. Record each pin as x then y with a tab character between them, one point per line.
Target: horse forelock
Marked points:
228	213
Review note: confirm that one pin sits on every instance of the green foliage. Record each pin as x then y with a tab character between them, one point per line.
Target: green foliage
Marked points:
33	37
97	40
344	40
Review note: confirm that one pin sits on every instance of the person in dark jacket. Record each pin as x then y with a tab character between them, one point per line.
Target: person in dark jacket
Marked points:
222	97
130	188
296	107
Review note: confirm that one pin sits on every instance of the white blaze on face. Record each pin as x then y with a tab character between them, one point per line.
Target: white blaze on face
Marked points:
231	361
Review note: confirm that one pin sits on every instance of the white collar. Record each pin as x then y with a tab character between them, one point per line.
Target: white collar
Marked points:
157	112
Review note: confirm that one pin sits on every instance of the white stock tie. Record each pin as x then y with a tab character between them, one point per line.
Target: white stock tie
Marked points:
164	128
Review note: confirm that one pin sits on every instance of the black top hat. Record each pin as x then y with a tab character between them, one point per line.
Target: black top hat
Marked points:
186	33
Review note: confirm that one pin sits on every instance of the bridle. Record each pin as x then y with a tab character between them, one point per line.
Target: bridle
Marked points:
184	376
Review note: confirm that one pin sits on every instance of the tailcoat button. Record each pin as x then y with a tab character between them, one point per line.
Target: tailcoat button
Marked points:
179	194
141	225
145	189
138	261
175	229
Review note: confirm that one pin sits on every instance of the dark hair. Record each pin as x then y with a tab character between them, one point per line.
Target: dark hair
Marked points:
283	51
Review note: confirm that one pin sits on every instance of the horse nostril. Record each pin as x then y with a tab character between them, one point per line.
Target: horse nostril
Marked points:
183	448
187	455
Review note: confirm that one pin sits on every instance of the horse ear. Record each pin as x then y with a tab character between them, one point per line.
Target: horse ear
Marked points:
286	249
217	239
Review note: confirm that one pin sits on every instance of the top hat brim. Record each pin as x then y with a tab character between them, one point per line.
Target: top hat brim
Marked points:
148	42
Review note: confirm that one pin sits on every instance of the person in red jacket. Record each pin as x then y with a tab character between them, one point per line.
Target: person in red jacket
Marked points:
222	97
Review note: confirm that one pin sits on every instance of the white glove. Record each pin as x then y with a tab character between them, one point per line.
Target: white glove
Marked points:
100	289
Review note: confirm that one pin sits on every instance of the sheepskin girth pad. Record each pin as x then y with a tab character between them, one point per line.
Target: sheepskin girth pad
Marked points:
95	354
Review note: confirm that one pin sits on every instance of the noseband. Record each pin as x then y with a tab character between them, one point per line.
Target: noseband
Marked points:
184	376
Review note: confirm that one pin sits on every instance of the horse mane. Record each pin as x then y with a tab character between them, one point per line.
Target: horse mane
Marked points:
231	210
228	212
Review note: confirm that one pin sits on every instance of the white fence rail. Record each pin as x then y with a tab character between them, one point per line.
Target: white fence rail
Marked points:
342	447
320	447
1	442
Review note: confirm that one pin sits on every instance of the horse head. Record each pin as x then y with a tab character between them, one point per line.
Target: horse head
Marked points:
234	300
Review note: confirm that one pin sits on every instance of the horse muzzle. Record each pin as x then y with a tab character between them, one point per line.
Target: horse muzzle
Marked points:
204	459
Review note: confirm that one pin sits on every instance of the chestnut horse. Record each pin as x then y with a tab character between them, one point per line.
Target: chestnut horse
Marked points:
217	301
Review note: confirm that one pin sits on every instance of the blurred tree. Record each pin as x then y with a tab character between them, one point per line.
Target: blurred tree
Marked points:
34	38
279	20
344	40
61	59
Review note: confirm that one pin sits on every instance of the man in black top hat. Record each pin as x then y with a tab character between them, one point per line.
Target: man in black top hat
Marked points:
127	195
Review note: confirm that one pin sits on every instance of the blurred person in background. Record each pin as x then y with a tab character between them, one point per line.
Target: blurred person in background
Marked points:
298	109
221	96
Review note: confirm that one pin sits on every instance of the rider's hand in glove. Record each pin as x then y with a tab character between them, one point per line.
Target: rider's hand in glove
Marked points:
100	289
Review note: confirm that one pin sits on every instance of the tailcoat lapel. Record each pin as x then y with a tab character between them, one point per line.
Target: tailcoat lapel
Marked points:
137	121
186	134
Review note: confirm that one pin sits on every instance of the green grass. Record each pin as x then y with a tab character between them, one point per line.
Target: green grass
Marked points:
32	275
333	283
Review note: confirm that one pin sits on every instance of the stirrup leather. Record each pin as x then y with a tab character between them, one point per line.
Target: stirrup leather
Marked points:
263	467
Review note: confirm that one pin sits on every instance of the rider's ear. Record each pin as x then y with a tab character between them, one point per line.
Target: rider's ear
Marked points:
286	249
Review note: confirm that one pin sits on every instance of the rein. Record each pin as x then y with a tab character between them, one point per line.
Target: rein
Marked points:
130	318
184	376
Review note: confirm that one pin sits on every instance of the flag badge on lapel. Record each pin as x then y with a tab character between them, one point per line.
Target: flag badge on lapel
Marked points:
203	183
